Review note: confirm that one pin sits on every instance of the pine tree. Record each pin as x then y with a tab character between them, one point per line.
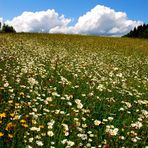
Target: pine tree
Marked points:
138	32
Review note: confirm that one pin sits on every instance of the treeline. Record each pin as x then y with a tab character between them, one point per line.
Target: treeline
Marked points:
138	32
6	28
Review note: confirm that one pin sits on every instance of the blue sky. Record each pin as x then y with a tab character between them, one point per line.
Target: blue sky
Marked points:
73	10
135	9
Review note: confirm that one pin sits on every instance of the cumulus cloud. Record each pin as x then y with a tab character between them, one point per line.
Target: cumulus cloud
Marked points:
100	20
1	20
41	21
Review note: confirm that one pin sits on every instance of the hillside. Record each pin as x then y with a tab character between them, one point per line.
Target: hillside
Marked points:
73	91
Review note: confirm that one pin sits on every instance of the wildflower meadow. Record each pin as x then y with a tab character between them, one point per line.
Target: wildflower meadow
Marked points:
63	91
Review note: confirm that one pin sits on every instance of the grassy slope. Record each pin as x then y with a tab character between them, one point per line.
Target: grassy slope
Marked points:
72	83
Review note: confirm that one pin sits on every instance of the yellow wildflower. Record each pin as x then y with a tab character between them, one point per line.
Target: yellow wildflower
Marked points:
1	88
10	101
23	121
10	135
17	104
21	94
9	126
146	101
41	126
24	125
2	115
1	134
12	114
16	117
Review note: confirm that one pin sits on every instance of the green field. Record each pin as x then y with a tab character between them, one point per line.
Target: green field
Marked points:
73	91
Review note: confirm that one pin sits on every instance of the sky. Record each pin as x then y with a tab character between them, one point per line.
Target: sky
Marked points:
100	17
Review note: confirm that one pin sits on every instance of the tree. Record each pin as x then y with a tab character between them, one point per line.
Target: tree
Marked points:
7	29
138	32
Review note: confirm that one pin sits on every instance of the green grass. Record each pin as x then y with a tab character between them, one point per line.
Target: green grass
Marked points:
73	91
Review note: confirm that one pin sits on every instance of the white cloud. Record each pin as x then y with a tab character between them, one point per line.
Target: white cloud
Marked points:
1	21
41	21
100	20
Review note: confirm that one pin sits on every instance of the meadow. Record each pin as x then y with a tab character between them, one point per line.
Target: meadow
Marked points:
62	91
